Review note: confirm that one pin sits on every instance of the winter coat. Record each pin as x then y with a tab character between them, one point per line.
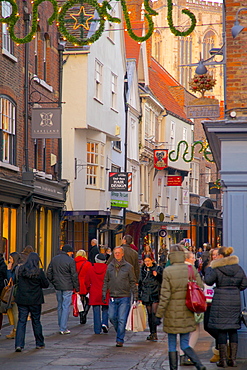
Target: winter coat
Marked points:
29	291
92	253
82	267
3	273
177	318
230	279
130	256
94	282
120	281
62	273
149	285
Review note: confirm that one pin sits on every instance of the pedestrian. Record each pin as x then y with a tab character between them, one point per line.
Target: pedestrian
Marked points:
163	254
93	251
29	297
25	253
147	250
82	267
3	276
177	318
209	293
130	255
94	283
62	274
230	279
120	280
194	335
149	291
12	268
108	253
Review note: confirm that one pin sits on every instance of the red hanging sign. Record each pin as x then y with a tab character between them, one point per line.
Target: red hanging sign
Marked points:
174	180
160	159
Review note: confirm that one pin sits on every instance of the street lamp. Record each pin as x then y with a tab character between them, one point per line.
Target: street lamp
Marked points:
237	28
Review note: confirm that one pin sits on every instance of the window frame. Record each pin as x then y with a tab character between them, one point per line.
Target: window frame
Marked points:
7	42
98	78
95	165
7	130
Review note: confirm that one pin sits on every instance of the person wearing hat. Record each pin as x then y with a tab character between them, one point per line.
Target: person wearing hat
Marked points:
62	274
94	282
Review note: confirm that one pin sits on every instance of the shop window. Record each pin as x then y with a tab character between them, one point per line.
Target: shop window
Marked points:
43	235
95	165
7	130
8	222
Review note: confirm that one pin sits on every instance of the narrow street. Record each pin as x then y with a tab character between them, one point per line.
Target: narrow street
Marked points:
84	350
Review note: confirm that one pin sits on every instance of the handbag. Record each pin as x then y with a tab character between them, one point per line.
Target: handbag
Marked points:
7	292
243	316
195	298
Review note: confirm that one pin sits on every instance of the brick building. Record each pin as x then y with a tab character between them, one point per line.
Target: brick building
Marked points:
32	194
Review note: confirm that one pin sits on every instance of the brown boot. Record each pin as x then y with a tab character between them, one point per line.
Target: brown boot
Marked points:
223	355
11	335
216	356
233	354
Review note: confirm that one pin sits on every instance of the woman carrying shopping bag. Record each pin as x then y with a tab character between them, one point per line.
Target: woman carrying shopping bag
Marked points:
149	290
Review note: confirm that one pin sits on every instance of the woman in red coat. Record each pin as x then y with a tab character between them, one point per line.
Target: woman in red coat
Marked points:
82	268
94	282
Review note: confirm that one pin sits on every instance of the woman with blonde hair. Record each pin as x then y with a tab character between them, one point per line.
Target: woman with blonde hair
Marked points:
230	279
82	267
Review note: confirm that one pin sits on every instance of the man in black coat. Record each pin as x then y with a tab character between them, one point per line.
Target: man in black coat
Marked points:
94	250
62	274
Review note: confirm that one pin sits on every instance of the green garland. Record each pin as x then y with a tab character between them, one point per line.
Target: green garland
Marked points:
170	21
102	10
148	15
13	18
186	151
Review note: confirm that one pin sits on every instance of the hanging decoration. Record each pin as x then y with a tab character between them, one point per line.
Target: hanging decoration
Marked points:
103	15
173	29
183	144
81	12
202	83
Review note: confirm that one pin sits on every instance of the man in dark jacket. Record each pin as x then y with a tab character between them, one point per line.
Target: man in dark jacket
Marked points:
120	281
62	274
130	255
94	250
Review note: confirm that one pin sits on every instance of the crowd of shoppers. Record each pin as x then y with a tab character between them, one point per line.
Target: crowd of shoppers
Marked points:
111	281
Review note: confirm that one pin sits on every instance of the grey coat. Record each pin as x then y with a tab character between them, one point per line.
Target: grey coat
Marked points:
230	279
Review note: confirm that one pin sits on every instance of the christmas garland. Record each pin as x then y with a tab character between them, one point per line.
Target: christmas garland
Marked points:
204	149
13	18
102	10
170	21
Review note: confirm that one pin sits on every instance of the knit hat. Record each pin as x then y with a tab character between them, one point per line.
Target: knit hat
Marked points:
67	248
100	258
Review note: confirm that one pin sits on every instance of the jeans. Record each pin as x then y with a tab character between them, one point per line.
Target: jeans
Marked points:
63	307
118	314
172	341
35	311
97	322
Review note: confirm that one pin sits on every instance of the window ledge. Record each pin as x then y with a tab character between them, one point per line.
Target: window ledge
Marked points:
114	110
117	149
99	101
9	166
43	83
111	40
9	55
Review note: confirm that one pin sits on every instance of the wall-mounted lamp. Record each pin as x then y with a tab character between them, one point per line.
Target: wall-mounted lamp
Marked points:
201	69
237	28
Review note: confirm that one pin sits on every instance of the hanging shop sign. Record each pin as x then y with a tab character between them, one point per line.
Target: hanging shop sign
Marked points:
174	180
186	197
203	111
162	233
119	199
160	159
214	187
120	181
46	123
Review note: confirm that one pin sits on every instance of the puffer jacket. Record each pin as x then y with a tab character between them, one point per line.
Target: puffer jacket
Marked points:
62	273
120	281
230	279
94	283
177	318
130	256
149	285
82	267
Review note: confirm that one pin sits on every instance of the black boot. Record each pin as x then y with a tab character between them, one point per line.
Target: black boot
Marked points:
194	358
223	355
173	360
185	361
233	354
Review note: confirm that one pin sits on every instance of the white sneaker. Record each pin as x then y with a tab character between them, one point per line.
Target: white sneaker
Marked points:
65	332
104	328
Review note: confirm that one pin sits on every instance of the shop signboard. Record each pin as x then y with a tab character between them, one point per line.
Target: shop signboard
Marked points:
120	181
160	159
46	123
174	180
119	199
